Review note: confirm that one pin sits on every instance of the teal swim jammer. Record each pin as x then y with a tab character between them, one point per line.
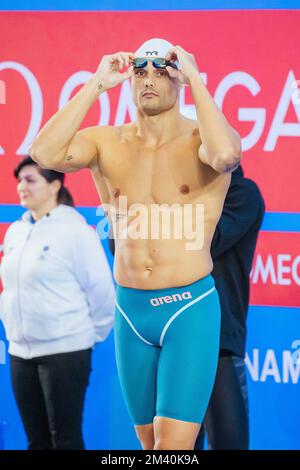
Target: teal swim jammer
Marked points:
167	348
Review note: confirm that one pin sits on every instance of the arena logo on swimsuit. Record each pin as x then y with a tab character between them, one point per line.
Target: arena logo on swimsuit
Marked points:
167	299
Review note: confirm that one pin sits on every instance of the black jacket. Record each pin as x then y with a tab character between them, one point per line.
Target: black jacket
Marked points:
232	252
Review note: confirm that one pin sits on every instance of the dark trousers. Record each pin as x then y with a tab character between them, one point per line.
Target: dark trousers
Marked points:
50	392
226	420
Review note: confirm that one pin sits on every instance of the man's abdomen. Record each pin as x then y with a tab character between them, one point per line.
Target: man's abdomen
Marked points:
158	264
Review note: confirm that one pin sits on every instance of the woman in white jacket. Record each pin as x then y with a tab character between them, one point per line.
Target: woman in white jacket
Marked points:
57	302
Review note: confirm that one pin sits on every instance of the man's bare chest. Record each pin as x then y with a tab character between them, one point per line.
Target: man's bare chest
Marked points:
167	175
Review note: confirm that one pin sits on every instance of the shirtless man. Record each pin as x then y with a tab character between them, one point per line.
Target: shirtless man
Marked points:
167	309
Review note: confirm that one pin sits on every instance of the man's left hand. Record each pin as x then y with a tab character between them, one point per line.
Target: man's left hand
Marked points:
187	64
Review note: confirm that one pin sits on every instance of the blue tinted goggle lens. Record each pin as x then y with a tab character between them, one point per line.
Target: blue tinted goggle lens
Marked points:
158	63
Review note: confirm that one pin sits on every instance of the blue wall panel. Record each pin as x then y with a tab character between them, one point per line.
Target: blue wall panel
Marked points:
110	5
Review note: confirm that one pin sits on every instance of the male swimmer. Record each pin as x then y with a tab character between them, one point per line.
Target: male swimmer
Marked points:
167	309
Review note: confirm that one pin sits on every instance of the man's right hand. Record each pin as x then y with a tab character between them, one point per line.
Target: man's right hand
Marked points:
109	70
60	145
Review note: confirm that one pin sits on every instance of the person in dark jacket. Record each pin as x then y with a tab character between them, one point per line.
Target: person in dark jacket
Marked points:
226	421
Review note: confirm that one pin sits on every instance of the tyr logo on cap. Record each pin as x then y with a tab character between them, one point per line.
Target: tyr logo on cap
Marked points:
151	53
154	47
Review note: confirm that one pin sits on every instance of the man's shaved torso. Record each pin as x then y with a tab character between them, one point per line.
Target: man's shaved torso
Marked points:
158	176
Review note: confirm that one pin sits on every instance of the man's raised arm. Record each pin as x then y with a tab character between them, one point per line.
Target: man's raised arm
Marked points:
60	145
221	144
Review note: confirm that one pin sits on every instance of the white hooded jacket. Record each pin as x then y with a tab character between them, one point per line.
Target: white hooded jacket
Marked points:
58	293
